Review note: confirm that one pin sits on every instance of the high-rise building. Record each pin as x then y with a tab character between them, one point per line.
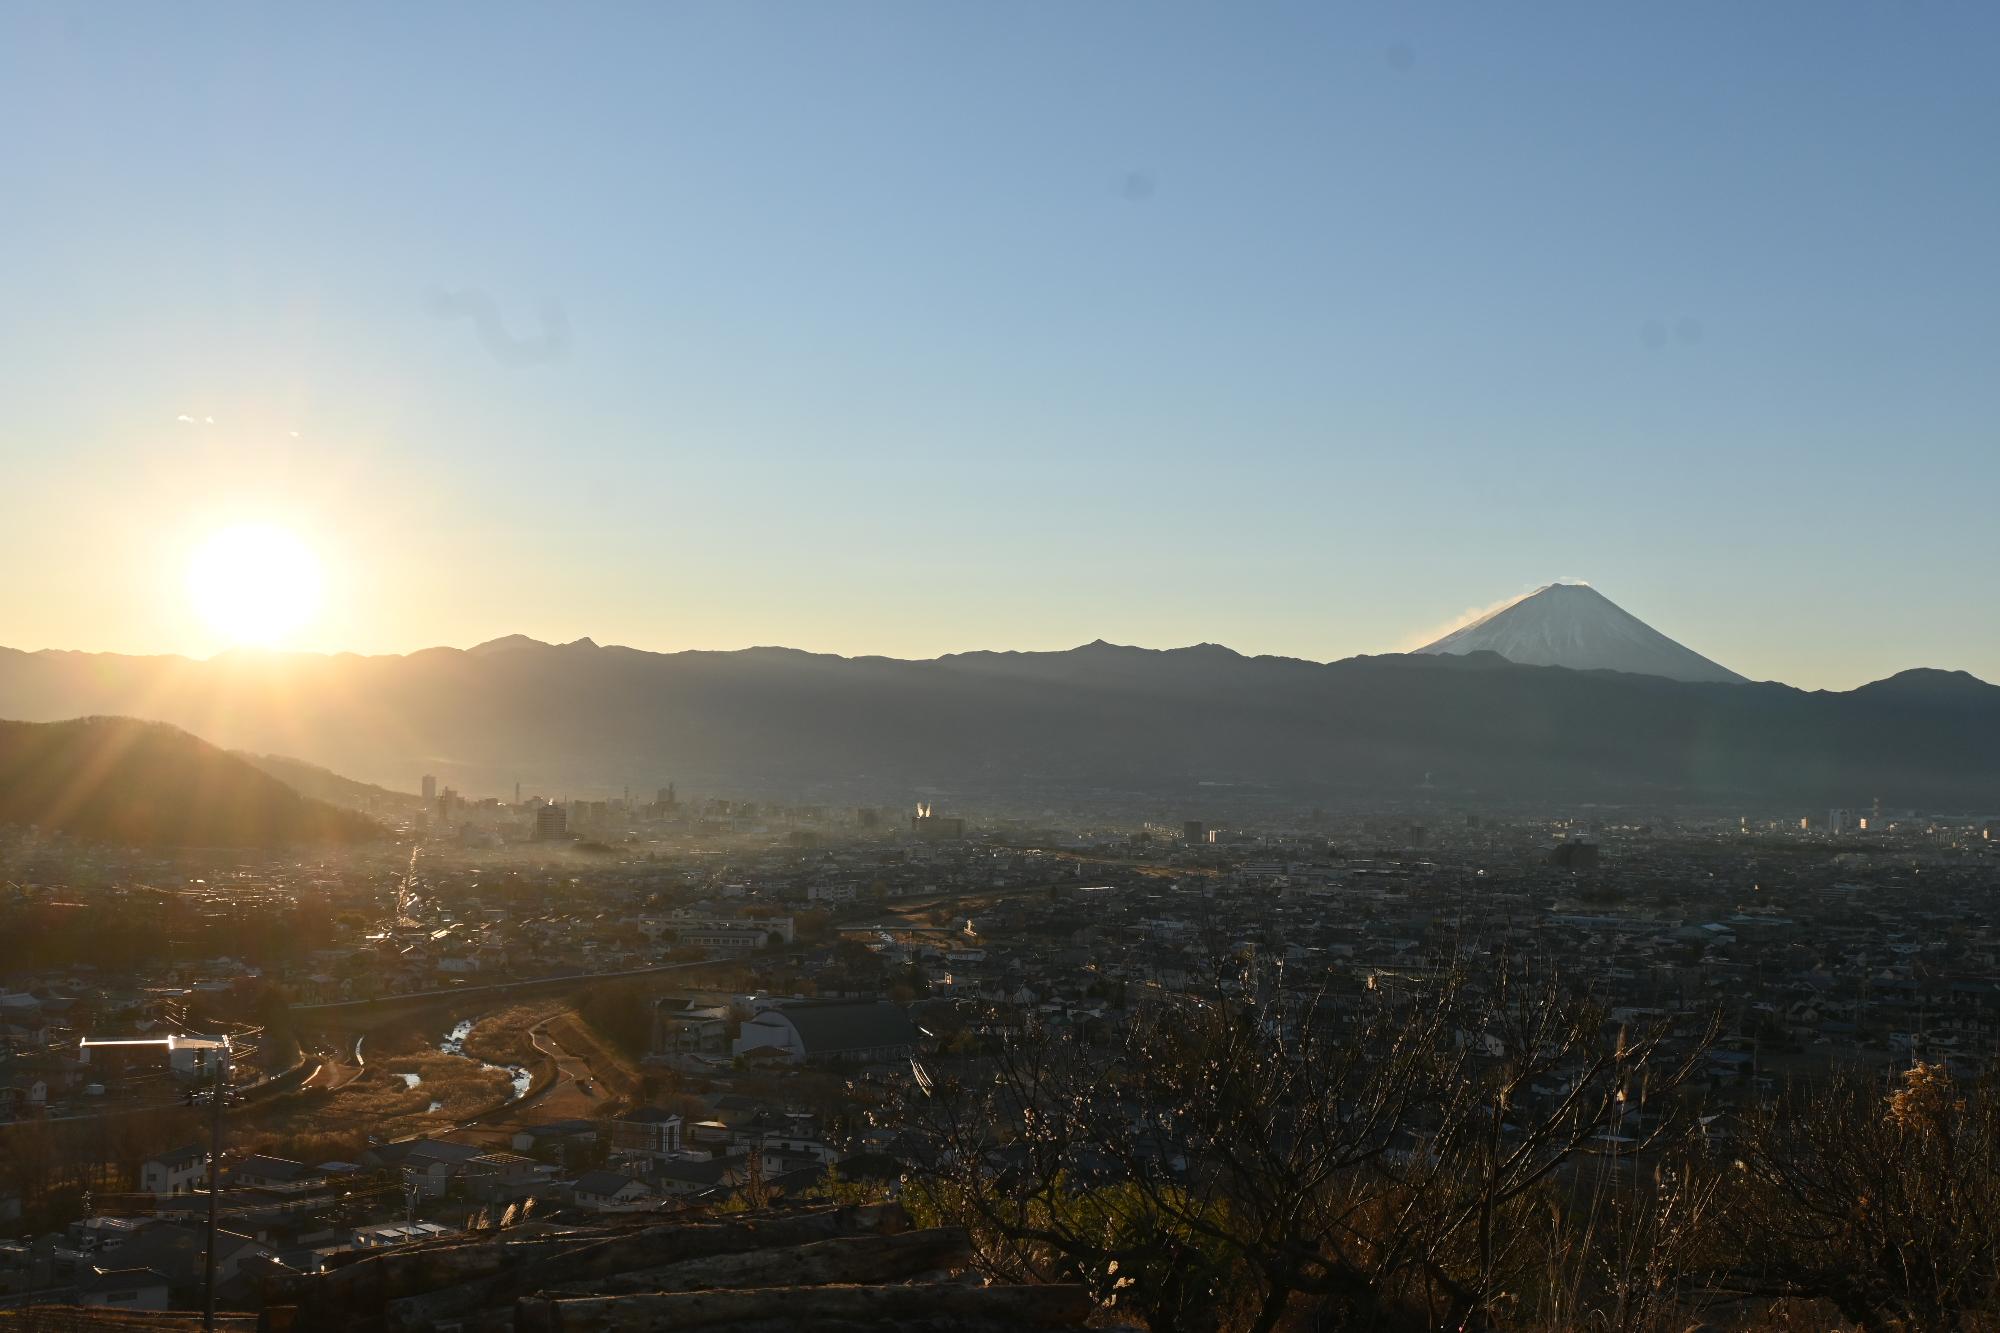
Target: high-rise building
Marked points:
551	823
430	789
927	824
1194	831
1574	855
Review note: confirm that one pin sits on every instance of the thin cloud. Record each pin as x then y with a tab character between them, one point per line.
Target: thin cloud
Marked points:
1467	617
185	417
551	343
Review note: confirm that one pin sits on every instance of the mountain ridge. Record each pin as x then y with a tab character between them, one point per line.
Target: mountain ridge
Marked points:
564	718
527	641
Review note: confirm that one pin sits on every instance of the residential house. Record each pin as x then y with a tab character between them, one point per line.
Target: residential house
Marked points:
279	1175
647	1130
175	1251
502	1177
613	1192
690	1175
555	1136
123	1289
385	1234
176	1172
427	1165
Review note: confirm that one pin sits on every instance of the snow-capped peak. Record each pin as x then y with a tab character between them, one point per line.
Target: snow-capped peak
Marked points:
1574	625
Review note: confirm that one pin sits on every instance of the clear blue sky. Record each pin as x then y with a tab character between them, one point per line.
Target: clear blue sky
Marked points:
916	328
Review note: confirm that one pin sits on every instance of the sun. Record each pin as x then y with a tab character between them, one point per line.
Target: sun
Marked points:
255	584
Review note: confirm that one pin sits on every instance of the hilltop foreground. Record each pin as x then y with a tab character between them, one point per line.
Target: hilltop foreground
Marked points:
120	780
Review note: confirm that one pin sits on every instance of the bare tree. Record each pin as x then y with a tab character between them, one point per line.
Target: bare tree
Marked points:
1885	1203
1374	1152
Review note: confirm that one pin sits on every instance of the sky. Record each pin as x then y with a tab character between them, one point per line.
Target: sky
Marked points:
915	328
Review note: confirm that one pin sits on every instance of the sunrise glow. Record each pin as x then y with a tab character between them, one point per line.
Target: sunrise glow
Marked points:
255	584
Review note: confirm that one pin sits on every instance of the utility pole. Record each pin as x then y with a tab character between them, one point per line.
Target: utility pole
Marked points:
216	1095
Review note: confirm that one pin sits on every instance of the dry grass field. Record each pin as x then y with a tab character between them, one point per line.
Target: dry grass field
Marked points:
383	1102
501	1037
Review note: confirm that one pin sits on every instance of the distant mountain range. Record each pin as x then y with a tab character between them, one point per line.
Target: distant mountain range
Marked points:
577	718
118	780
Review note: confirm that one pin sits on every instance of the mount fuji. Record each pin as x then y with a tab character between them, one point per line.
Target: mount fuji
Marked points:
1574	625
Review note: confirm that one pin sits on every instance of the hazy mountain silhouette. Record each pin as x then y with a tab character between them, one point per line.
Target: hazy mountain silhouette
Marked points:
323	784
566	718
119	780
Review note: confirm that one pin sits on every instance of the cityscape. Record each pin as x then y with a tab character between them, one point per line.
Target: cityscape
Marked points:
615	1009
914	668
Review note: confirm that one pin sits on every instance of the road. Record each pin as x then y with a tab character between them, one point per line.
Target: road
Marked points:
566	1089
403	890
335	1070
561	1098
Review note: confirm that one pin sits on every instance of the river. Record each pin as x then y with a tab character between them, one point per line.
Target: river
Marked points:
454	1044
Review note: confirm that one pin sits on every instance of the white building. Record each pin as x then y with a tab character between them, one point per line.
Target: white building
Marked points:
177	1172
823	1030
